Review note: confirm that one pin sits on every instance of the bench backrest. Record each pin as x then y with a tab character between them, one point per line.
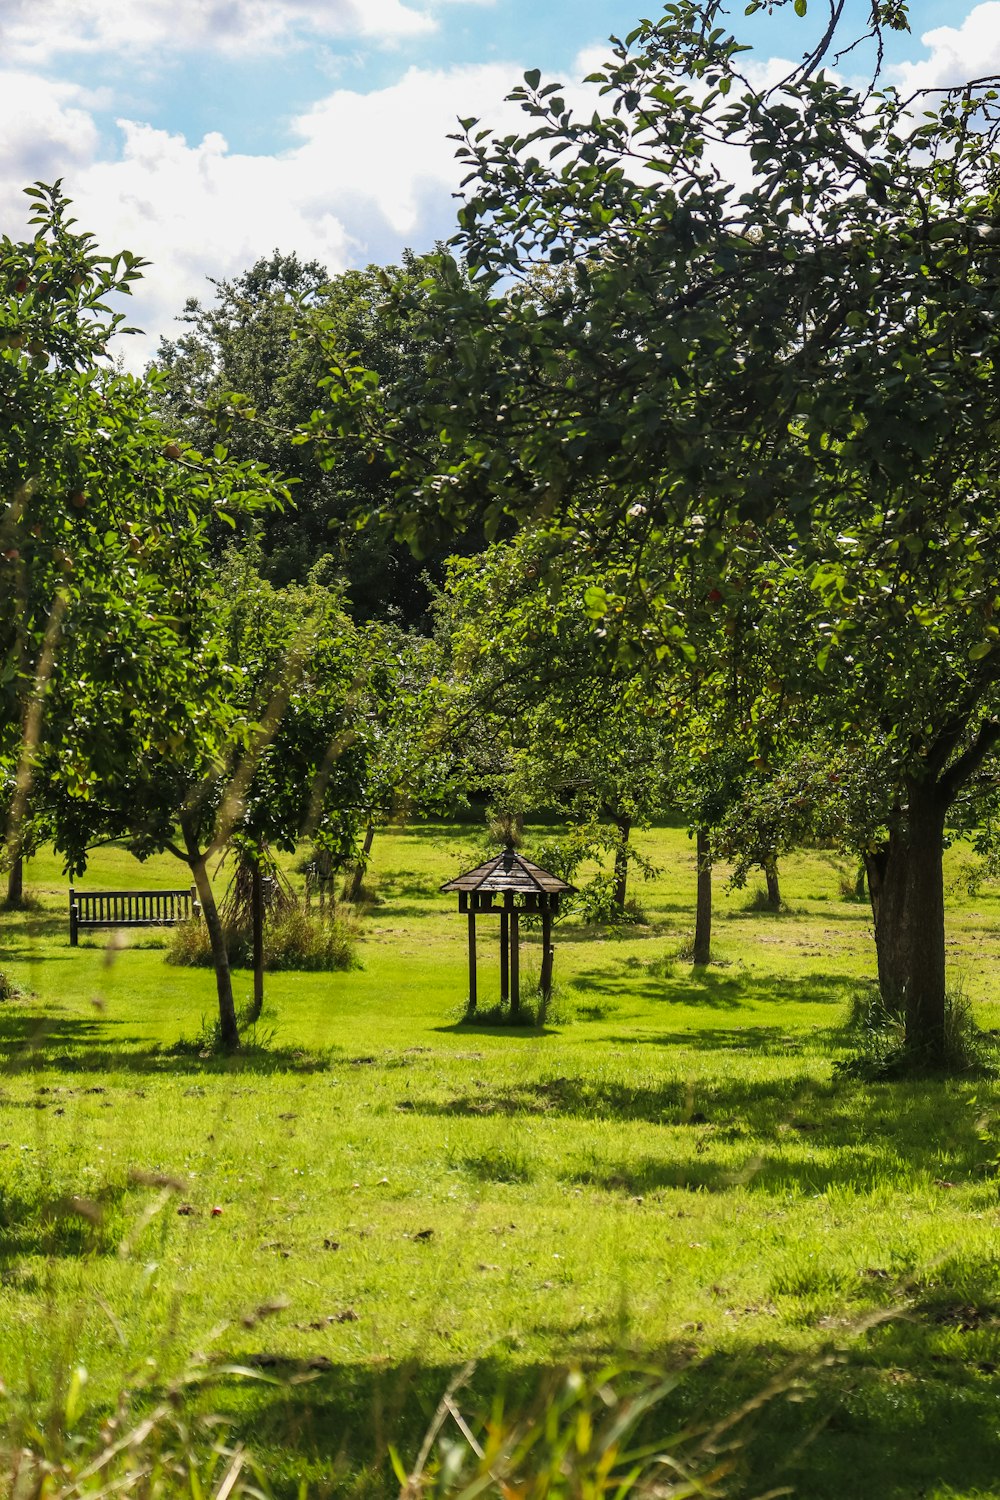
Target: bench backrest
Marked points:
124	908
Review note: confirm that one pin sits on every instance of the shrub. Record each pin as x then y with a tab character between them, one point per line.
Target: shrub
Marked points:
293	939
297	939
189	946
8	989
595	904
878	1034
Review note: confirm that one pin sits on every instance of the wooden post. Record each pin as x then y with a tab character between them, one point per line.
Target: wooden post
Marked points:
504	954
547	954
515	964
73	929
257	912
472	957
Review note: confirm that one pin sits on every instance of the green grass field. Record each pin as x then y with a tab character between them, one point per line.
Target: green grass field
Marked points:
667	1173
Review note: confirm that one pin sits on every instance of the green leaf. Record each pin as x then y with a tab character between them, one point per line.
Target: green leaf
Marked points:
595	602
801	6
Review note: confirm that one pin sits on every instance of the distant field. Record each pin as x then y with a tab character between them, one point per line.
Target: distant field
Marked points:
668	1171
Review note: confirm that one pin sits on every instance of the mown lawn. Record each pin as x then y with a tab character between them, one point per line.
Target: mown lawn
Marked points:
668	1172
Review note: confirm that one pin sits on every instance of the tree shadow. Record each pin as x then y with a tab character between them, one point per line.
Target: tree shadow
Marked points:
852	1420
513	1032
32	1042
701	988
772	1136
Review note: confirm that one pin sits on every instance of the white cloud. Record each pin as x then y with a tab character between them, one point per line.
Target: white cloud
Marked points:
957	53
369	175
47	130
32	32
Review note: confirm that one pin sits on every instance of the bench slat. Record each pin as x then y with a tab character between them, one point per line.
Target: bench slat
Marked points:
157	908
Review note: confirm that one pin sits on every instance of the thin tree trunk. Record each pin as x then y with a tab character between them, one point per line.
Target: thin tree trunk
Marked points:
360	869
875	861
859	884
624	826
15	883
702	950
257	915
770	868
228	1030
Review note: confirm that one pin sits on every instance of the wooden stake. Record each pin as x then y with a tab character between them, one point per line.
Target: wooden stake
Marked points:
472	958
547	954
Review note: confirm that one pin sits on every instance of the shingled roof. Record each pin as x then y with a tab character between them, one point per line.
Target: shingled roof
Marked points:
509	871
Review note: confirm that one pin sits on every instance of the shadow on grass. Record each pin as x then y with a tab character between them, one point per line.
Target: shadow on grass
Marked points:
858	913
880	1416
701	988
513	1031
31	1042
61	1227
774	1136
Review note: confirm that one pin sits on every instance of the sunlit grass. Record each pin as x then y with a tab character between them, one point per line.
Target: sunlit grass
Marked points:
668	1170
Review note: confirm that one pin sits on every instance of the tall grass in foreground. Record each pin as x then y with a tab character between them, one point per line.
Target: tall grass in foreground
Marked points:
584	1435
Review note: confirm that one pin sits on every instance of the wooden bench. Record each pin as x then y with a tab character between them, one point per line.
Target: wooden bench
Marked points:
129	909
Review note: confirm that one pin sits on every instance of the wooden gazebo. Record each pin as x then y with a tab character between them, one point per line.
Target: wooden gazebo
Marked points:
510	885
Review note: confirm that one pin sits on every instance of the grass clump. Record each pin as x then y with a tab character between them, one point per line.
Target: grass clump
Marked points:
586	1433
141	1450
294	939
299	940
8	989
879	1049
533	1011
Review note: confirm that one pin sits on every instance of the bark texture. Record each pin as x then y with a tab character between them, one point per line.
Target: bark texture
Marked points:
906	887
702	951
15	883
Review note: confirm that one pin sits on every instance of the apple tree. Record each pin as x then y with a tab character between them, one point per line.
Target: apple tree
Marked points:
106	602
778	307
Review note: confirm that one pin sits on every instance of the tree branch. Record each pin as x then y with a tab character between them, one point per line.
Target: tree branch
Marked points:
970	760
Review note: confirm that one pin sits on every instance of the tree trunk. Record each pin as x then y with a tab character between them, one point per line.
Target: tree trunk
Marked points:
624	826
15	883
906	885
361	867
702	950
257	917
229	1032
859	884
770	868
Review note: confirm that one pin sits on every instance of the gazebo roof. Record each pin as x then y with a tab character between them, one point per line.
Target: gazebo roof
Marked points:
509	871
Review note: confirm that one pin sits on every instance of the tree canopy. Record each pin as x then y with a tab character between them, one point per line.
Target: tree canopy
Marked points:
753	324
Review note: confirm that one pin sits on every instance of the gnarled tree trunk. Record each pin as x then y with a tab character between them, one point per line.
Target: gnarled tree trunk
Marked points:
770	868
906	885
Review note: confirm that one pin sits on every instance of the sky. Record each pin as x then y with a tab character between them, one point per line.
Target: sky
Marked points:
203	134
